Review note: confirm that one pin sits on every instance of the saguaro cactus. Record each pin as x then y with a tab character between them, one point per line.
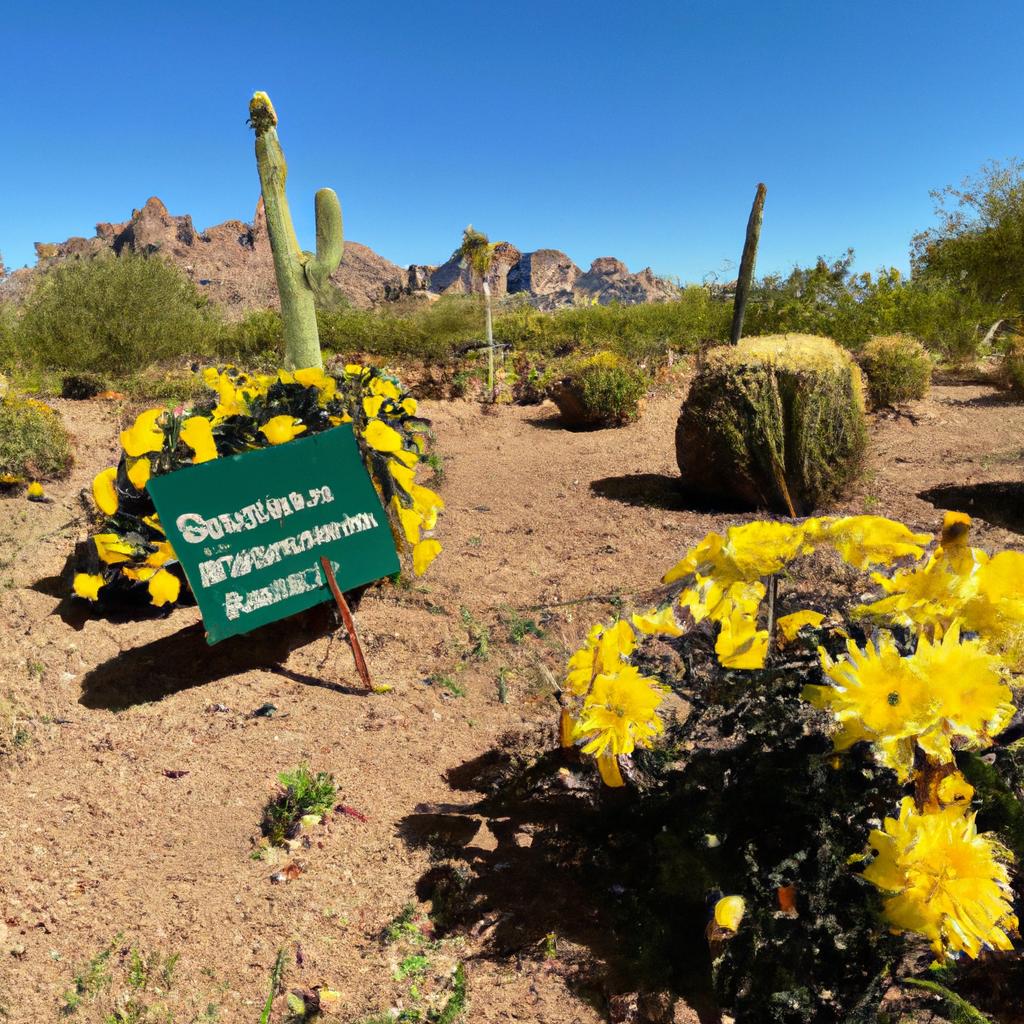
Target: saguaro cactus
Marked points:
747	261
301	276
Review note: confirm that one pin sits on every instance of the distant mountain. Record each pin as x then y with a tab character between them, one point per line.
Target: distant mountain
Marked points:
232	263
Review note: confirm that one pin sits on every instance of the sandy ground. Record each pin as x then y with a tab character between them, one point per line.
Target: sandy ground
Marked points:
132	775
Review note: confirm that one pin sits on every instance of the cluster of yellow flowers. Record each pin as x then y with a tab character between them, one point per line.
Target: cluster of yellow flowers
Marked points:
247	412
956	691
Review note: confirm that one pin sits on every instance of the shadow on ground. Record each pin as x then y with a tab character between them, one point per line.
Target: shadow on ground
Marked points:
184	659
1000	503
658	490
514	872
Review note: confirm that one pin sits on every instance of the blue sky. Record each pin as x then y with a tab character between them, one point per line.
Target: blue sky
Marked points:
635	130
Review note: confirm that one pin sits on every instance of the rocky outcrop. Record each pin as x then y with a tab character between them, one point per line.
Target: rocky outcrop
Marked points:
232	264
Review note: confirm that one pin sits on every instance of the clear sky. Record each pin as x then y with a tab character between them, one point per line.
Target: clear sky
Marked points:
634	129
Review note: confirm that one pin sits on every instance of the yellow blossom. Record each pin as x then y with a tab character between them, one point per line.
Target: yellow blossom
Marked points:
619	713
139	472
104	493
866	540
423	554
145	436
382	437
608	766
371	405
281	429
790	625
164	588
35	491
948	882
604	651
112	549
658	623
88	585
387	388
740	644
197	433
955	789
410	519
729	911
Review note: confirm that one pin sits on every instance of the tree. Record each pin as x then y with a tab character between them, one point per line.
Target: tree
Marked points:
978	243
476	253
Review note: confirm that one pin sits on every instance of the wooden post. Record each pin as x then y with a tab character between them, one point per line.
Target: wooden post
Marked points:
350	626
747	260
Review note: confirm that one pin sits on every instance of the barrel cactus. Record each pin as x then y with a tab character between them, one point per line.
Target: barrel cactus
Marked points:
774	422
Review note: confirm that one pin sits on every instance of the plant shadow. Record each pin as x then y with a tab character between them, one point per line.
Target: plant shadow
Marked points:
659	490
184	659
511	871
1000	503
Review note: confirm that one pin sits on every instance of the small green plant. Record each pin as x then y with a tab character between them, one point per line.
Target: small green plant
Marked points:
456	1006
302	793
478	634
518	627
413	966
90	980
449	684
276	973
33	441
403	926
503	674
898	369
1012	369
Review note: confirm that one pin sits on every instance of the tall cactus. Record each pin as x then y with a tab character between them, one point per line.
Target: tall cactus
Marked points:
747	261
301	276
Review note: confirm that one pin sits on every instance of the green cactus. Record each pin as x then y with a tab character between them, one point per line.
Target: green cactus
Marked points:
301	276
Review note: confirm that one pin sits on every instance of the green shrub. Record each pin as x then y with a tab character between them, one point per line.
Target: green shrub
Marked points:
774	422
33	441
8	337
258	336
603	391
301	793
1012	370
898	369
113	315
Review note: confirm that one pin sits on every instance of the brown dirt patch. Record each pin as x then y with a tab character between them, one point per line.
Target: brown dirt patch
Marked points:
98	839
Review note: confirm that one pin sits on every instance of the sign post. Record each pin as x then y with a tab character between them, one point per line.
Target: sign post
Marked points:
271	532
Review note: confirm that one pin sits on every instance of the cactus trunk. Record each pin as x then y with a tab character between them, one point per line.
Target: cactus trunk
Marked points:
301	276
747	261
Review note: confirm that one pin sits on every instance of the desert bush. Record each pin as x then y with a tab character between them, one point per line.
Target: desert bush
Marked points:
113	315
130	556
897	368
34	443
1012	368
775	422
825	778
258	335
603	390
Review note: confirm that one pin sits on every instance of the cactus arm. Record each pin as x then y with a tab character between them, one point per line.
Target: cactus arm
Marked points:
330	243
299	274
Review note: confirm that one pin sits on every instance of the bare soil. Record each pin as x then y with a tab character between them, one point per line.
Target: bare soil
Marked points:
133	775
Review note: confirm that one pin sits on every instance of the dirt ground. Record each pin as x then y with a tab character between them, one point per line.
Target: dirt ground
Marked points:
133	775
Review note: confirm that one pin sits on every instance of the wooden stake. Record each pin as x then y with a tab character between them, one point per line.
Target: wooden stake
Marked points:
350	626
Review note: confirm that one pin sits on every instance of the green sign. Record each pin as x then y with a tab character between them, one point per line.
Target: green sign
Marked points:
250	529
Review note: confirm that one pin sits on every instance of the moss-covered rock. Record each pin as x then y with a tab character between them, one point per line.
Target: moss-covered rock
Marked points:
33	441
602	391
898	369
775	422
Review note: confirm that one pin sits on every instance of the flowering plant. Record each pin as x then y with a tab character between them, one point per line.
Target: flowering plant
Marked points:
130	555
803	730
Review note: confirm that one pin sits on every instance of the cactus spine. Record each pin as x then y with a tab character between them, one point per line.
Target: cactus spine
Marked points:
301	276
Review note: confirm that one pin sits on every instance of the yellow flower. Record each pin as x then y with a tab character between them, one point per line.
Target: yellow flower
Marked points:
604	652
386	388
761	548
88	585
949	883
867	540
104	492
139	472
729	911
164	588
281	429
410	520
608	766
371	405
619	713
145	436
704	556
790	625
112	549
740	643
10	479
35	491
410	406
382	437
197	433
955	789
423	554
657	623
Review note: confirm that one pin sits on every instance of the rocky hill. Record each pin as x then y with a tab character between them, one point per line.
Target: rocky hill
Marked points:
232	263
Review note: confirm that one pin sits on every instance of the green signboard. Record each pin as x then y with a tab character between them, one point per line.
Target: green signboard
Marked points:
250	529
